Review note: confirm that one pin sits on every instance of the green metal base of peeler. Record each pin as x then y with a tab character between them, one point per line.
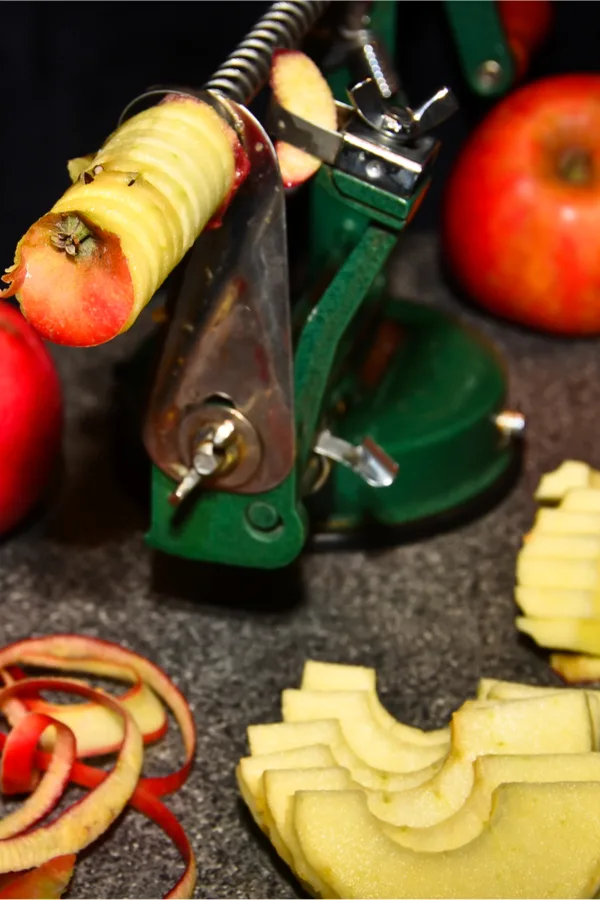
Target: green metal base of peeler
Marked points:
433	411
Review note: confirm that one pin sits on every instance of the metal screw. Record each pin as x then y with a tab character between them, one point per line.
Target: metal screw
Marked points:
263	516
489	74
210	455
373	169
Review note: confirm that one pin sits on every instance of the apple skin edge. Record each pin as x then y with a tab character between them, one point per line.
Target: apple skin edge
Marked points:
78	301
75	279
27	844
521	214
300	88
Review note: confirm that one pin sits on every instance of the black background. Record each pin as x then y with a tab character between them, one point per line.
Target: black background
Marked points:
67	69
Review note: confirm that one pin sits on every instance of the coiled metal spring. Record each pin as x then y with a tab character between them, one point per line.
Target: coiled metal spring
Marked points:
246	70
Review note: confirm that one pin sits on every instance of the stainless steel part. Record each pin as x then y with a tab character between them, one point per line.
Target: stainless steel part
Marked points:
241	449
246	70
367	56
367	460
210	456
510	423
358	149
230	336
402	122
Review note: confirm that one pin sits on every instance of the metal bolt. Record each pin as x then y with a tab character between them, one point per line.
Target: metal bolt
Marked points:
373	169
489	74
209	456
510	423
263	516
391	124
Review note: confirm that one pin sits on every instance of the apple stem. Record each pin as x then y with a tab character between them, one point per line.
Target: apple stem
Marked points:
575	166
73	236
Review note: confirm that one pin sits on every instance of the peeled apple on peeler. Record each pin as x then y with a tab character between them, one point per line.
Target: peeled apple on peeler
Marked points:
85	270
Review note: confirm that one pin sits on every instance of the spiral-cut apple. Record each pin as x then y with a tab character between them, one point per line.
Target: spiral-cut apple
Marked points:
84	272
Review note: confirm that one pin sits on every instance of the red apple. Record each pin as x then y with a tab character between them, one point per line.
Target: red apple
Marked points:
30	417
526	24
521	218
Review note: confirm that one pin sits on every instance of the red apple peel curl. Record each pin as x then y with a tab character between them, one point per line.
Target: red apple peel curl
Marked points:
50	850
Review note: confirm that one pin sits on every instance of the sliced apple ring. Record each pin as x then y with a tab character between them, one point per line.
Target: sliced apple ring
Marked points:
324	676
300	88
554	486
558	603
281	736
280	785
579	635
557	723
250	770
565	522
542	841
465	825
576	668
364	735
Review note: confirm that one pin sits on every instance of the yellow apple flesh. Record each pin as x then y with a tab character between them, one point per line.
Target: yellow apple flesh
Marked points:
543	840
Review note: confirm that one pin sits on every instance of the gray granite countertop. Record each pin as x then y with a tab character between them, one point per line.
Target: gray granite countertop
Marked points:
432	617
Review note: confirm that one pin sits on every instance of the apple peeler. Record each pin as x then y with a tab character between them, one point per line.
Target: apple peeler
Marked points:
282	418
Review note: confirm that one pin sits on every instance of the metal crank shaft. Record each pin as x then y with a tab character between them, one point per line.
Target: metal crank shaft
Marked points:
245	72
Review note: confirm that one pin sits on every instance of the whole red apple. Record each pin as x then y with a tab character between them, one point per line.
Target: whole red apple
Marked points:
521	218
30	417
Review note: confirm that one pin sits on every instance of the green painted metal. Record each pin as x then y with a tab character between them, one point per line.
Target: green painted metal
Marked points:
432	411
224	528
484	54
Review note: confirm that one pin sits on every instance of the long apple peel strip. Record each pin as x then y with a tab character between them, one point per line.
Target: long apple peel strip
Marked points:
143	799
83	822
19	774
71	653
47	882
97	729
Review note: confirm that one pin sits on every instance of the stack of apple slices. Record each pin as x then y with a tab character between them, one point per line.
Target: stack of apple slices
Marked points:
502	803
558	571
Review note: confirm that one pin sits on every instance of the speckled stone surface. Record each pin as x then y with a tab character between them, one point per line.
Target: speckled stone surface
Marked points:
432	617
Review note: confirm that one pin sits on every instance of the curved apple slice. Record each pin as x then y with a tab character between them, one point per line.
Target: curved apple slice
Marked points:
576	668
465	825
280	786
300	88
557	723
281	736
490	772
363	733
542	841
579	635
250	770
325	676
570	474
